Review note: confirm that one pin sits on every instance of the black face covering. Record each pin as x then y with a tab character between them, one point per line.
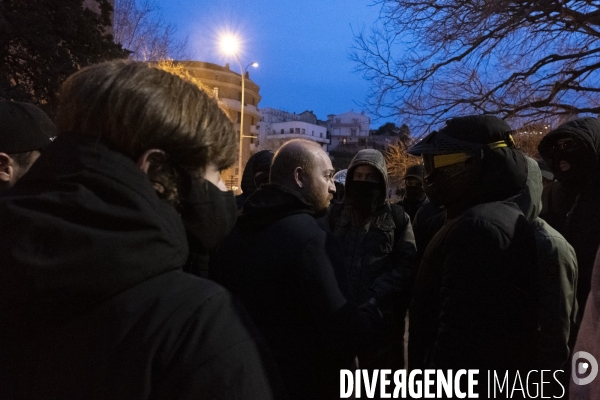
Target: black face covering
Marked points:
583	166
415	193
450	185
208	214
365	195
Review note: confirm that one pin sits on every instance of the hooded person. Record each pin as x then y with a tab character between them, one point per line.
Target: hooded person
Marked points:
93	300
379	252
255	174
557	267
475	303
571	152
25	130
415	196
278	260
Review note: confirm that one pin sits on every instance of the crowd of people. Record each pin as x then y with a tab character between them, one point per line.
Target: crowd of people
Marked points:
130	271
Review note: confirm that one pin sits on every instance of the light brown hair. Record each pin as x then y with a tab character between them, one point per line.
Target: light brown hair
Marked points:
139	107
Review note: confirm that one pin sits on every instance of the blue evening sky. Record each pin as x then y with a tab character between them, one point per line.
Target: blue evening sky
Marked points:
302	47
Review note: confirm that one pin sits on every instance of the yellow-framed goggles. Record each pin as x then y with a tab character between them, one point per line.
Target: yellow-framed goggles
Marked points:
444	160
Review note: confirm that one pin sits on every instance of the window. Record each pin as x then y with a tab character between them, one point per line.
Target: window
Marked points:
251	140
353	132
239	117
282	131
251	120
216	92
298	131
303	131
343	140
291	130
239	96
362	142
338	120
321	135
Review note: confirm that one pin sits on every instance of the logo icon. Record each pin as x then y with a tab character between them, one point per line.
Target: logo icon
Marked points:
579	368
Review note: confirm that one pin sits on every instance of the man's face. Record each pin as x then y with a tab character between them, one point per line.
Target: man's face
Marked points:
318	187
366	173
12	168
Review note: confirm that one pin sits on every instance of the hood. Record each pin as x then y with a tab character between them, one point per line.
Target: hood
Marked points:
530	199
586	129
81	226
368	157
258	162
270	203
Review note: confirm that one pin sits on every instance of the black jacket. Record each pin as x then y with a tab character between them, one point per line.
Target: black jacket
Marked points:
576	214
379	250
277	260
412	207
475	303
92	299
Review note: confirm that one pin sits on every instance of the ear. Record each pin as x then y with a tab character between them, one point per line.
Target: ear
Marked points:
145	159
6	167
299	176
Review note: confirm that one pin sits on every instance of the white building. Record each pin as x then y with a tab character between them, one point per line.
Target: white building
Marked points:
349	129
277	127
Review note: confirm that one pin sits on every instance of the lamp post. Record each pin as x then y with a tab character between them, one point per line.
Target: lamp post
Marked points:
230	46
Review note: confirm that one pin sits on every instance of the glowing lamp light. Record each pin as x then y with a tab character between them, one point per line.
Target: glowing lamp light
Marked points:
230	44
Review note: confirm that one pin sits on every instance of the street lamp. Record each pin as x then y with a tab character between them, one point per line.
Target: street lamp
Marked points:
230	45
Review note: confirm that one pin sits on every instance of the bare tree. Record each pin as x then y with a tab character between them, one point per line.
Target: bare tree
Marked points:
429	60
398	160
139	27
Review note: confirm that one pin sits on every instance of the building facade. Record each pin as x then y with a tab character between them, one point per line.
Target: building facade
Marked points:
348	131
226	86
277	127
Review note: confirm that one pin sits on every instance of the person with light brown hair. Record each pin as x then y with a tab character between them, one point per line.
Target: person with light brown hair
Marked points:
93	300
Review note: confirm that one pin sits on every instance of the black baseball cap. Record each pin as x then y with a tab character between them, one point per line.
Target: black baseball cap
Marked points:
24	127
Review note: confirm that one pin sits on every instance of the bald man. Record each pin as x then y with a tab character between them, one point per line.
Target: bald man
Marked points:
277	260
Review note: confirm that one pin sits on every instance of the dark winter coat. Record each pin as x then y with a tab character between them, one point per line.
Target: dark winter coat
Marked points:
379	254
277	261
412	207
576	215
475	301
92	299
557	277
